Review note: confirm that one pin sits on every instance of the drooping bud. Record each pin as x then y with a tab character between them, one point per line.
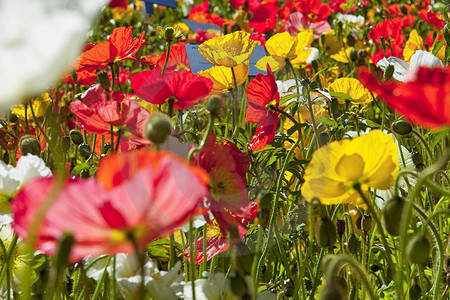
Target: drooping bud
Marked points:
388	72
362	53
340	227
331	292
352	244
214	104
353	55
392	215
65	143
157	128
76	137
85	173
351	40
29	144
238	285
416	157
366	223
106	147
326	233
401	127
403	9
418	249
84	150
103	78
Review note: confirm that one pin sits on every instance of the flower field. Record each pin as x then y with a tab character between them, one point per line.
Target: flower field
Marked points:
241	149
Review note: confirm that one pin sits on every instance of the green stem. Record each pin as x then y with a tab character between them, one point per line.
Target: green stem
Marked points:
203	142
166	60
234	102
98	288
112	136
192	244
430	154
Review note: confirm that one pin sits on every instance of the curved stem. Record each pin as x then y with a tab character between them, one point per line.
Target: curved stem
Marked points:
335	264
166	60
430	154
203	142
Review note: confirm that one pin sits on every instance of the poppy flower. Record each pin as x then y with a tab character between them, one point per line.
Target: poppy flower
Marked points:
159	194
297	22
200	13
353	88
431	41
425	100
313	10
119	47
229	50
178	58
222	77
283	46
370	160
185	88
262	93
40	106
118	3
97	114
432	18
264	17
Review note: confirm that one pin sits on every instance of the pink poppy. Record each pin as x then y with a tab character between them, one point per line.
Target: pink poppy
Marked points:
296	22
148	202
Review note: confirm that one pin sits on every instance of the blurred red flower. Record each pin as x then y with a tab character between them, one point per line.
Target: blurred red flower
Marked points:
185	88
118	3
97	114
262	93
424	101
200	13
156	194
120	46
432	18
313	10
264	16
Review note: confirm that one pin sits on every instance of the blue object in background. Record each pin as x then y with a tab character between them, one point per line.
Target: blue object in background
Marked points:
198	63
149	4
193	26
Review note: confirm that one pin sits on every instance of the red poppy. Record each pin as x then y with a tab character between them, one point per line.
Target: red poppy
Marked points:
258	37
177	58
388	29
84	76
313	10
200	13
184	87
122	77
159	195
425	100
432	18
396	10
264	16
120	46
97	114
262	93
346	6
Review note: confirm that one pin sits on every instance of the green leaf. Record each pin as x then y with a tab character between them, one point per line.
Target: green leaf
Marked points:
438	46
372	124
341	95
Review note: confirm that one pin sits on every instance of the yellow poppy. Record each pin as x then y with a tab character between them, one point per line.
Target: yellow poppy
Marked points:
229	50
415	42
370	160
330	42
343	55
222	77
283	46
353	88
40	105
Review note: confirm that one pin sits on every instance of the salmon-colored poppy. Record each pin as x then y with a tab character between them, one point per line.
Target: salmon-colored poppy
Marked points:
119	47
424	100
177	58
262	93
148	203
185	88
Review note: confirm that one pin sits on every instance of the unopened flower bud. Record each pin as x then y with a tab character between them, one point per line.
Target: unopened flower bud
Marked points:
242	258
353	55
76	137
392	215
416	157
157	128
103	78
238	285
401	127
388	72
351	40
214	104
29	144
446	33
352	244
326	233
85	173
84	150
13	118
403	9
340	227
362	53
366	223
106	147
418	249
168	33
65	143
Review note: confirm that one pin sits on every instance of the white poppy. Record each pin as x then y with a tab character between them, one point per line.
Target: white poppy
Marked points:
13	178
39	41
404	71
344	18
